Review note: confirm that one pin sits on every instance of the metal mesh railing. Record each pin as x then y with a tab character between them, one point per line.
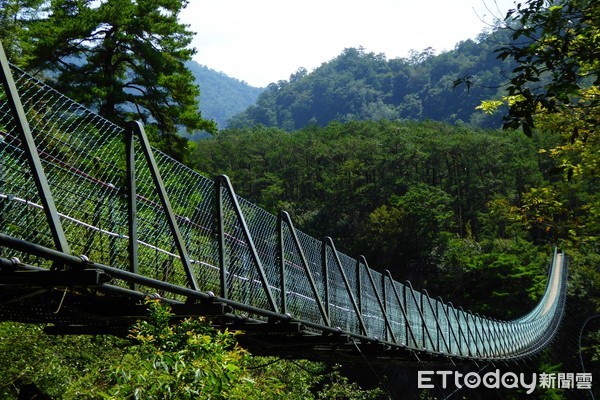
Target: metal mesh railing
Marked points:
236	250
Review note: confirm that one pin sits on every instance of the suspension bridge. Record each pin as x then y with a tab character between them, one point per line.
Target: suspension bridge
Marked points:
93	221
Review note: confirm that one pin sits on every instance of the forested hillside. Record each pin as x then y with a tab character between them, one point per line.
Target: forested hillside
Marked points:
405	195
359	85
221	97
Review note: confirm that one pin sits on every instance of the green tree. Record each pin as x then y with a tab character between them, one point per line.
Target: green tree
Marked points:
555	46
124	59
359	85
555	88
410	227
15	17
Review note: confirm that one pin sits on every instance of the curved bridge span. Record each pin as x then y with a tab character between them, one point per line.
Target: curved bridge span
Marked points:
93	220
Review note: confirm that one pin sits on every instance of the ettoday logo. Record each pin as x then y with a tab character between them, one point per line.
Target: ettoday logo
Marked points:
472	380
509	380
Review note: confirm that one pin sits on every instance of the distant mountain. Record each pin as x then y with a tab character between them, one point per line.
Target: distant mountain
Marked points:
358	85
221	96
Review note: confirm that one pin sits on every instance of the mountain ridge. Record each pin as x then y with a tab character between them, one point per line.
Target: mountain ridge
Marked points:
221	96
361	85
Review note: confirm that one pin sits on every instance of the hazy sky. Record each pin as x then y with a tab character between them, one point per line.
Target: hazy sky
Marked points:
263	41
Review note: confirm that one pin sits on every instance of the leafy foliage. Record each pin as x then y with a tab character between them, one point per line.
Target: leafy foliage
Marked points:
62	367
555	46
555	89
501	278
15	19
182	361
163	359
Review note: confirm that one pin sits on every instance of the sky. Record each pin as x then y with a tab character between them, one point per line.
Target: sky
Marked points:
264	41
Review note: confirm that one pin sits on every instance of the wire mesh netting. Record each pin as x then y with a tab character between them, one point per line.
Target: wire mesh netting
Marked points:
264	262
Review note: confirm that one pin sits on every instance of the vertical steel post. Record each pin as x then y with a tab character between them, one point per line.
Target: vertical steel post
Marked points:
494	334
384	303
138	129
505	338
469	334
32	155
402	305
451	332
325	273
282	275
422	314
425	330
2	183
131	194
407	318
359	286
483	335
475	333
437	322
437	319
493	340
501	332
512	338
460	335
221	237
